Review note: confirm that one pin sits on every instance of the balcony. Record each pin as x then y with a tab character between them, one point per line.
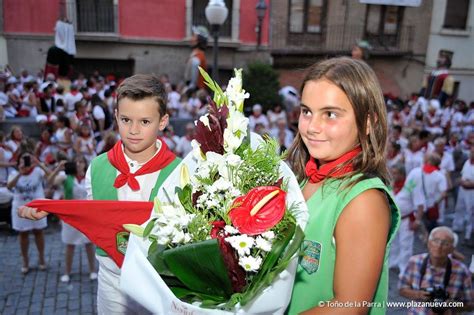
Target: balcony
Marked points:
339	39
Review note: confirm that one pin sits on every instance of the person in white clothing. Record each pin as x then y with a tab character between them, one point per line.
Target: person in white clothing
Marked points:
258	117
183	146
446	167
70	179
464	210
27	185
410	200
413	155
434	185
70	99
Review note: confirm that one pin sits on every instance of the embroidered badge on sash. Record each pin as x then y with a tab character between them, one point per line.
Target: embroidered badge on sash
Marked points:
122	241
311	256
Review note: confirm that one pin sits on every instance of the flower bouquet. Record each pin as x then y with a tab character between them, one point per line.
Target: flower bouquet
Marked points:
225	238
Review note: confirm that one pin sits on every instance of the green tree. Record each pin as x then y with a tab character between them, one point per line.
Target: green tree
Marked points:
261	81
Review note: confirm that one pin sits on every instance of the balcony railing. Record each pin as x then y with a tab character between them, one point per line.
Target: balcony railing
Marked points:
341	38
92	16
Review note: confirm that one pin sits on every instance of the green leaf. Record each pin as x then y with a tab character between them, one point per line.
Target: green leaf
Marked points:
267	272
134	228
200	267
219	96
185	196
155	257
149	227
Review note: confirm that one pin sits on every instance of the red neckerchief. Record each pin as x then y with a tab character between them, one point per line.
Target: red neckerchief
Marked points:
398	185
99	220
117	159
29	172
428	168
80	178
330	169
74	93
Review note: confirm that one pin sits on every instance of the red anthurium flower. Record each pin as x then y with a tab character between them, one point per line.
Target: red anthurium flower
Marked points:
258	211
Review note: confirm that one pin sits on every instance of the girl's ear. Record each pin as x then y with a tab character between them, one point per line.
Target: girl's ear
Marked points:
368	128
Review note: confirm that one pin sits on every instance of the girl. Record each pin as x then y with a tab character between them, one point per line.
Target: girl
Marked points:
16	137
339	154
73	182
85	143
45	150
27	185
63	135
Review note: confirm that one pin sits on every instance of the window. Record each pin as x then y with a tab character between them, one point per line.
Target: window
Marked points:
95	16
199	17
456	14
383	19
306	16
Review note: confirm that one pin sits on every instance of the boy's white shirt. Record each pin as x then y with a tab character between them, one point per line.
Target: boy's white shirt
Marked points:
147	181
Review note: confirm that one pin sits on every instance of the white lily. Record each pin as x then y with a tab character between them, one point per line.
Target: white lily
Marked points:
197	152
184	176
236	130
234	92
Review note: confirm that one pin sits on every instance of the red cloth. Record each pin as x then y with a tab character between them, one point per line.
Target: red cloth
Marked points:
117	159
428	169
316	174
99	220
398	185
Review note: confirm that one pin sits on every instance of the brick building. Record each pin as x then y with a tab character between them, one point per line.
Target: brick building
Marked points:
127	36
304	31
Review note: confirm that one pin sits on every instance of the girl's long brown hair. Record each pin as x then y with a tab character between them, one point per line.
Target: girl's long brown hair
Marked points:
359	83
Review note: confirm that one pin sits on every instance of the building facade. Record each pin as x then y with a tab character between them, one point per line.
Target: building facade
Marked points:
129	36
452	29
305	31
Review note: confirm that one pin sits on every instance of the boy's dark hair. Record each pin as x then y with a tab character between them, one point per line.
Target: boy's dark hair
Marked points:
141	86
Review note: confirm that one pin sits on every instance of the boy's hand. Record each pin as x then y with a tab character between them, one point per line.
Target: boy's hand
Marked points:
31	213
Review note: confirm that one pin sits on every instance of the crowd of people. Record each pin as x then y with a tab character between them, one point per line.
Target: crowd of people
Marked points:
430	156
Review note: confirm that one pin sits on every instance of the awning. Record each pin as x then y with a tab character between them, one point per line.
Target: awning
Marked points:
404	3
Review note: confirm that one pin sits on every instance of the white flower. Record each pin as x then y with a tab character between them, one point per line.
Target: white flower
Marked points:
263	244
183	221
187	238
178	236
203	171
236	130
250	263
242	243
197	152
269	235
233	160
229	229
234	92
222	185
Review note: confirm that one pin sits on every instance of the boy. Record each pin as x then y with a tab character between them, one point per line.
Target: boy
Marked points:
132	170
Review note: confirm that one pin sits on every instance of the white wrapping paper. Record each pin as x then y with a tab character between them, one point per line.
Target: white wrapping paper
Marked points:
141	281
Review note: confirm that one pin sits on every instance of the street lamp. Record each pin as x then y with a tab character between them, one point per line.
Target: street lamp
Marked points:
261	8
216	13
